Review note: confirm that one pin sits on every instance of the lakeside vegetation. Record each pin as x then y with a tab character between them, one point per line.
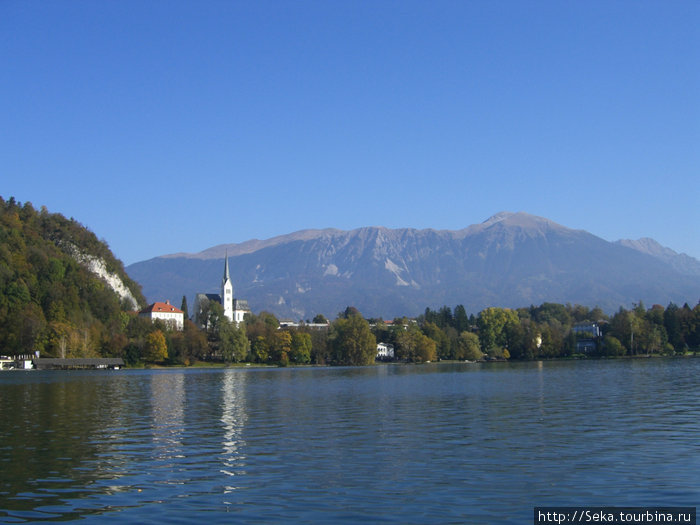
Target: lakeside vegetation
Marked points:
51	303
537	332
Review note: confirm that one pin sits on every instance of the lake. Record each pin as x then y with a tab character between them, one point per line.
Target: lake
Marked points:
435	443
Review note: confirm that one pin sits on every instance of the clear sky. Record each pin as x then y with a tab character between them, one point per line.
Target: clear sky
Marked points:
169	126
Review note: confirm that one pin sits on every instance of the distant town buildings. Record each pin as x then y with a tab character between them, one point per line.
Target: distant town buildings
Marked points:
234	309
284	323
166	312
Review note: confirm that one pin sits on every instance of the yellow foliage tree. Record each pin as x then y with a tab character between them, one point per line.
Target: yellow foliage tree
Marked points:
156	349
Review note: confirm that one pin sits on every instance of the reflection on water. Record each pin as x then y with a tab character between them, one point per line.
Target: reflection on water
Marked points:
409	444
167	400
233	420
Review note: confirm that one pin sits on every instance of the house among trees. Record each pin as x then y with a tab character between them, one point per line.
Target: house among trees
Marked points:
166	312
588	337
385	351
234	309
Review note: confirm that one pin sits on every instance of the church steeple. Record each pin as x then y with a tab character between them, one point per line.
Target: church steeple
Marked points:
227	277
227	291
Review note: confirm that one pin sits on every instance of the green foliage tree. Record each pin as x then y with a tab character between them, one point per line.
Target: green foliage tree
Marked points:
320	319
612	346
440	338
233	343
300	351
468	347
495	327
320	349
414	346
352	342
461	321
183	307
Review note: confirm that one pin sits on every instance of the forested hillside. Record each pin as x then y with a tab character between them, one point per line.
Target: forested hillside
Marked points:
49	300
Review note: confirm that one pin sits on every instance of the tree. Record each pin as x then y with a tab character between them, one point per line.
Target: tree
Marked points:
494	327
320	350
183	307
281	346
320	319
612	346
440	338
195	342
352	341
349	312
156	349
468	347
233	343
414	346
300	351
461	321
426	349
260	349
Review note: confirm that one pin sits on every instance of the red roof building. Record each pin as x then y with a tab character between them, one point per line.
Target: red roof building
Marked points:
166	312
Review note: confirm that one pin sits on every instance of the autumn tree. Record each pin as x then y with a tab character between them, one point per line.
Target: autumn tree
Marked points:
280	347
156	349
260	349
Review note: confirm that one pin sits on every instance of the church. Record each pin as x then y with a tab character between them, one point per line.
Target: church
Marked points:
234	309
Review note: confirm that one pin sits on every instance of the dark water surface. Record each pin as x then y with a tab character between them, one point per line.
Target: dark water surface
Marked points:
443	443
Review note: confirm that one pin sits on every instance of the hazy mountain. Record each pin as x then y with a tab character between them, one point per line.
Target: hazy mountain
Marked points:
512	259
680	261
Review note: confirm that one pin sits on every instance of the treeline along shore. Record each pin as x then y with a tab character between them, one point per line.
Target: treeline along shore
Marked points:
536	332
52	303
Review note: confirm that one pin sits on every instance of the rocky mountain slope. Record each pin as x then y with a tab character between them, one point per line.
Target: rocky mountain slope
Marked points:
512	259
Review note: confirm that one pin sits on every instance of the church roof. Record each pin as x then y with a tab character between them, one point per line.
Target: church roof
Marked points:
161	307
227	277
241	304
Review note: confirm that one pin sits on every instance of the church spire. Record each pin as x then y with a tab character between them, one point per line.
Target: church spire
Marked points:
227	291
226	274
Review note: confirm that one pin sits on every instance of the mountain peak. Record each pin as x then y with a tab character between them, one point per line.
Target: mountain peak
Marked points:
498	217
520	220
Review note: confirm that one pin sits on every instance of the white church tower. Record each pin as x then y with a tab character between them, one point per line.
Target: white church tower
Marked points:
234	309
227	292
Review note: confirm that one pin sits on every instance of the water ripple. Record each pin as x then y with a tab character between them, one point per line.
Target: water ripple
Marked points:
408	444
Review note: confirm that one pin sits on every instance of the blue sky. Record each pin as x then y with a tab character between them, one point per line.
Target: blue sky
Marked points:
169	126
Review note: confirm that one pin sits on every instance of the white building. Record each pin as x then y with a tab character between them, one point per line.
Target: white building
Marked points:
385	351
166	312
234	309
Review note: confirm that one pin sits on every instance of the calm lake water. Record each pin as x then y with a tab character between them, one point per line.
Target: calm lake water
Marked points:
439	443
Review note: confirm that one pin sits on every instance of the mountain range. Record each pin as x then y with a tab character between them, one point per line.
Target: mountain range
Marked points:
510	260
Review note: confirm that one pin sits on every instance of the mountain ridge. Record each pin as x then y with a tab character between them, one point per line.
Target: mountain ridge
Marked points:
511	259
518	219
